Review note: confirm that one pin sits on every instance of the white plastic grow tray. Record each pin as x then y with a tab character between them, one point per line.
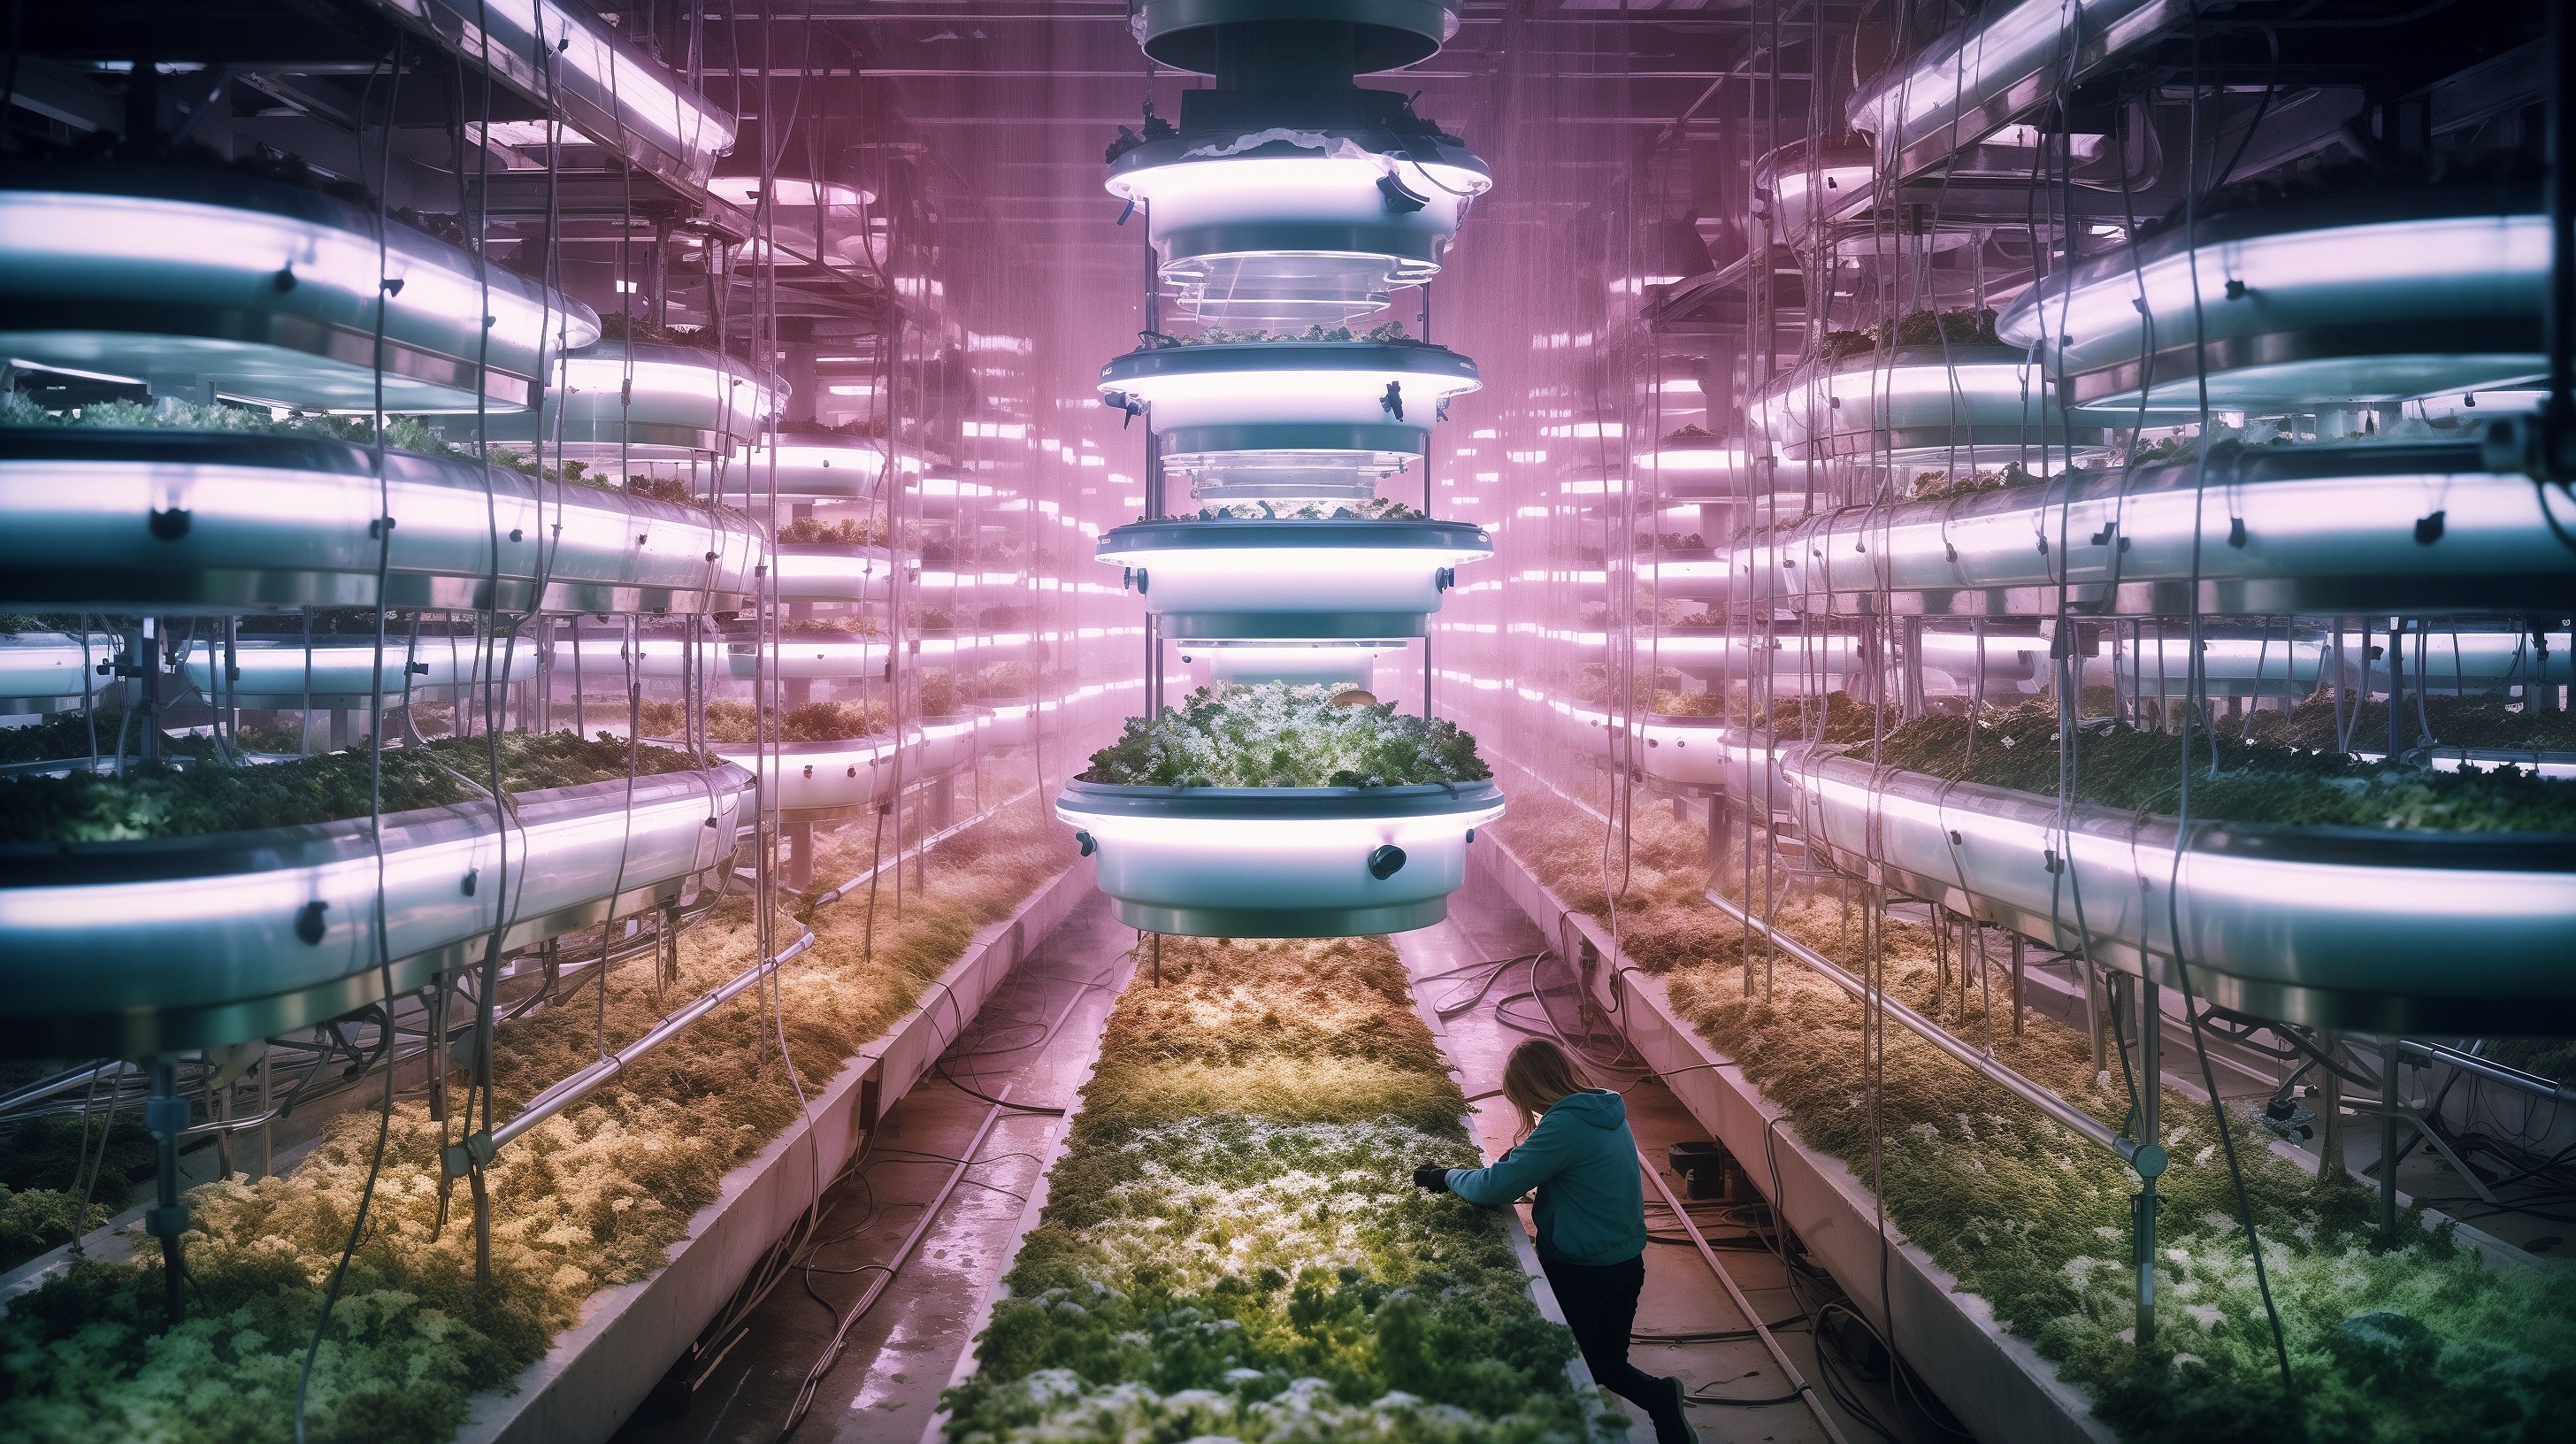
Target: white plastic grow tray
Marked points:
199	942
822	468
1291	225
800	657
207	280
1006	722
641	401
2359	530
180	521
832	572
2344	299
2364	928
1968	405
51	671
339	673
1360	409
1293	580
1280	862
1966	84
820	781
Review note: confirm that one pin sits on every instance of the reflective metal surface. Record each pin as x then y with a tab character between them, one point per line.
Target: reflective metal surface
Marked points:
1279	862
175	522
2358	529
339	674
137	947
2371	297
193	278
2330	927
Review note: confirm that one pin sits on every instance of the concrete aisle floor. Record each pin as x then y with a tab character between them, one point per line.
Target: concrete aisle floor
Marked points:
899	1355
1681	1296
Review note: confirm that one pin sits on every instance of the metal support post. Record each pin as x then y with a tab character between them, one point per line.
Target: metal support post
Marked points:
2150	1130
165	1117
2388	1116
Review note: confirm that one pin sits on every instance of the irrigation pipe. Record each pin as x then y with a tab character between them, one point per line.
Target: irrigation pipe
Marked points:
572	1089
1743	1305
2148	1159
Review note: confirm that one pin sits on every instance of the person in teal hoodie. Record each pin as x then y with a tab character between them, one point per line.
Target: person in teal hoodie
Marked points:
1576	1150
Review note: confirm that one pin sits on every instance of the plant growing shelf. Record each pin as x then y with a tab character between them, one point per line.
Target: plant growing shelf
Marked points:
2361	529
1969	404
50	671
2337	927
1343	579
2368	297
209	280
1298	209
179	522
621	402
157	944
1289	413
339	674
832	572
1276	811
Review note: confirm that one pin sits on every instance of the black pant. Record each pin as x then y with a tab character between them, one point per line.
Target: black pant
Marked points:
1600	1303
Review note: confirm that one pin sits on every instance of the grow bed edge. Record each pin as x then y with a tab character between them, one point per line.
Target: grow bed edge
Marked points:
589	1383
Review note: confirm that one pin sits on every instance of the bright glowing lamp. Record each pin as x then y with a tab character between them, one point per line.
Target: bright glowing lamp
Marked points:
1360	409
1293	580
1280	862
199	281
155	946
2370	298
641	401
341	674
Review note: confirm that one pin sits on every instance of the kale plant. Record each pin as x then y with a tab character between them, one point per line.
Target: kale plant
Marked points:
1280	735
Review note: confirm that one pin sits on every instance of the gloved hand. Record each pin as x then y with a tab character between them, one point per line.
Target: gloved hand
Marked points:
1432	1178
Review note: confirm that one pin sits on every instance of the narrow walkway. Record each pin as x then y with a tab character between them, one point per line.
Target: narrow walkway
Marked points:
898	1355
1686	1324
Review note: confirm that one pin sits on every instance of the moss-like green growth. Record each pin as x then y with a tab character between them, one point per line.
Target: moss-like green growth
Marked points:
592	1197
194	801
1281	735
1233	1246
2124	767
733	722
2415	1340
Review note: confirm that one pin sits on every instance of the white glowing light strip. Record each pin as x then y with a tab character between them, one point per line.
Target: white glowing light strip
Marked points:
57	668
707	397
585	58
59	227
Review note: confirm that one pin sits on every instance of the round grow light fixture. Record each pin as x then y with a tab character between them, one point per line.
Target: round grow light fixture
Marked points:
207	282
1352	410
640	401
1339	580
1279	862
1294	226
1965	405
2365	298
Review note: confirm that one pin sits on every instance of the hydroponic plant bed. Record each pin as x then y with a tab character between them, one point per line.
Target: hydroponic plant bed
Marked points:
2266	531
2362	288
595	1196
1361	578
206	906
1273	811
2310	888
1232	1245
2415	1339
172	268
172	520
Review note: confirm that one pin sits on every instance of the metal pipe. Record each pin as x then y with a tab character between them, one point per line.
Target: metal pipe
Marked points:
2147	1158
2492	1072
1743	1305
571	1090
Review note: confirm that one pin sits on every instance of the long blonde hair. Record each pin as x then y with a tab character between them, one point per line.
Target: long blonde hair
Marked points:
1536	1076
